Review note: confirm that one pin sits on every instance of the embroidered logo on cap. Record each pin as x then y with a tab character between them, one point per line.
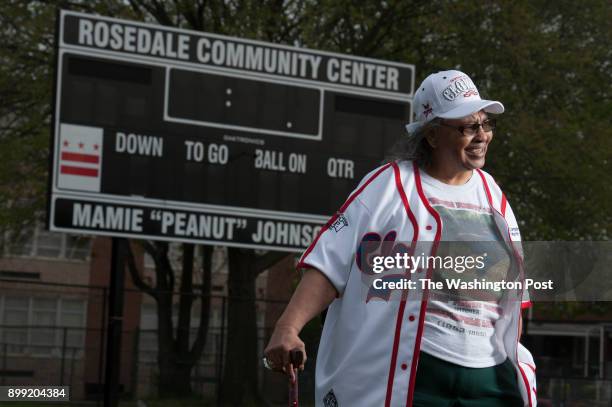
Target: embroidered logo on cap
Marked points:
427	109
461	85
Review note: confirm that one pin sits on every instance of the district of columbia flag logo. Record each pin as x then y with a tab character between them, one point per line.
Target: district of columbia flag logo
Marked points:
80	158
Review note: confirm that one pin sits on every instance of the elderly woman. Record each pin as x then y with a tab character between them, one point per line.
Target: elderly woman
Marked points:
415	347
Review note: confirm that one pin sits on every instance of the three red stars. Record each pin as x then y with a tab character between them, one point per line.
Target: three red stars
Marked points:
81	145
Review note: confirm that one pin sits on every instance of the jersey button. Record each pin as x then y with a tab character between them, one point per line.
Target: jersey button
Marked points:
411	318
428	227
404	366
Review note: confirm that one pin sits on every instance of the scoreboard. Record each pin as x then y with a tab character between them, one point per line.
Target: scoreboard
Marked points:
172	134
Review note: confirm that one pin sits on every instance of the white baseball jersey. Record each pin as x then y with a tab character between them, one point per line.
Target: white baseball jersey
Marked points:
369	348
526	361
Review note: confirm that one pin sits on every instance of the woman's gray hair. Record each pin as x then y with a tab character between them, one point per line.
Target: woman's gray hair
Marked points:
413	147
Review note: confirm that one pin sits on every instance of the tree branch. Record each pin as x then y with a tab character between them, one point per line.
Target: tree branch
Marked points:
200	341
156	10
268	260
165	271
136	278
185	300
152	251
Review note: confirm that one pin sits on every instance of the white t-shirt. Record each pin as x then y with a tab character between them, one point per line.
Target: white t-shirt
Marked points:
462	331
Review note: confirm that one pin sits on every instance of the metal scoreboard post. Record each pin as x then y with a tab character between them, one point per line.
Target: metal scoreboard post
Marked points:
171	134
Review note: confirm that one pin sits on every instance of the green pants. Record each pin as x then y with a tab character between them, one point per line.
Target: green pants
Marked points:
443	384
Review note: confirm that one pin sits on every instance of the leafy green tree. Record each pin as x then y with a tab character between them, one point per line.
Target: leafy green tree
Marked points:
26	52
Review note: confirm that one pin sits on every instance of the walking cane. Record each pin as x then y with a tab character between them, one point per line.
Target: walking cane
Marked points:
295	357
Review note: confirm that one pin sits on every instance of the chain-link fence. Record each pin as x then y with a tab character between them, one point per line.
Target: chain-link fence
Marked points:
574	392
54	334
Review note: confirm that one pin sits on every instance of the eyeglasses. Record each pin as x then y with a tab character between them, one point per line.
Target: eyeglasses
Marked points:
472	129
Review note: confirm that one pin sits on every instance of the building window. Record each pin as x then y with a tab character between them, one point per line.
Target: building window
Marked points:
48	244
36	326
72	317
15	335
148	346
77	247
38	242
20	243
43	335
149	263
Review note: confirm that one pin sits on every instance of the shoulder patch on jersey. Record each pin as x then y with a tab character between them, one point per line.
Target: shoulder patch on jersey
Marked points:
340	223
515	233
330	399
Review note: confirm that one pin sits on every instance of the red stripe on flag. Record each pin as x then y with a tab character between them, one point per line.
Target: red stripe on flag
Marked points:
85	172
84	158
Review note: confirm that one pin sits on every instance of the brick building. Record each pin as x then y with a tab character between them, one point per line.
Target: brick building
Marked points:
53	296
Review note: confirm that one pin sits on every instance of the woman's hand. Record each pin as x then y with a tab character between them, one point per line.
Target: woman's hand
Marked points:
312	295
284	339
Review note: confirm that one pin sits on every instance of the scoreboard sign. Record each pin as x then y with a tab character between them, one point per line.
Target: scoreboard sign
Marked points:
171	134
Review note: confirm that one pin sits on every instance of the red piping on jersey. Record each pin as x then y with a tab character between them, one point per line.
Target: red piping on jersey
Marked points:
398	328
489	197
331	220
487	190
525	380
434	248
400	188
530	366
504	202
402	306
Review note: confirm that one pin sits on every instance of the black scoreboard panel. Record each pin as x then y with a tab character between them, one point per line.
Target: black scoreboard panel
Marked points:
100	92
213	99
129	98
178	135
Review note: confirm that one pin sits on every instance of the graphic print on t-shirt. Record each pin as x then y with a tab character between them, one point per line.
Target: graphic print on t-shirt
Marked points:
469	230
460	325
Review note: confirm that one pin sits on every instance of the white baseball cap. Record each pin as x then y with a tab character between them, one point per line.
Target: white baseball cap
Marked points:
448	95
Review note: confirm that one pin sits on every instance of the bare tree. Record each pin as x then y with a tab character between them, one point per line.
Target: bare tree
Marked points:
239	383
177	354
